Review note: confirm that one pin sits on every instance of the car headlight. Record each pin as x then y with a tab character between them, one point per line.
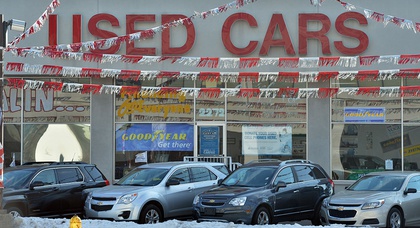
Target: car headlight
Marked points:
89	197
196	199
325	202
238	201
373	204
126	199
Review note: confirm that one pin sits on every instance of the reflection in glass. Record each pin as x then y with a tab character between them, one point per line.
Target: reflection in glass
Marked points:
56	142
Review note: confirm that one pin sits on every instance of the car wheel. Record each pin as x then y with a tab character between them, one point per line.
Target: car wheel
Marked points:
395	219
15	212
316	220
261	217
151	214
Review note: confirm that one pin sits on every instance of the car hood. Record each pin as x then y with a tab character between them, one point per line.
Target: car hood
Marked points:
118	190
230	190
358	197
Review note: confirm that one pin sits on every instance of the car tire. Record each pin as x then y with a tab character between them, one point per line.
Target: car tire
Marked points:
261	217
395	218
316	220
15	212
151	214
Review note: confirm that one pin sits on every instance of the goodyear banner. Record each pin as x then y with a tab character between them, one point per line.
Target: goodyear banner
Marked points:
155	137
355	114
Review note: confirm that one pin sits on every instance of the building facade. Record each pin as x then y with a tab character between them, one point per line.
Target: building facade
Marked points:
122	84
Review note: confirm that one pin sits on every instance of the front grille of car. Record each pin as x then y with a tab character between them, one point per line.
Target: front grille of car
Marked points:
213	201
100	207
342	214
104	198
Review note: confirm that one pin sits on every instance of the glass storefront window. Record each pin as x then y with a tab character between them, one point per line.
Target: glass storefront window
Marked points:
56	142
247	142
358	149
249	107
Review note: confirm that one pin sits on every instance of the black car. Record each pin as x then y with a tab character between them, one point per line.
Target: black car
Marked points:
49	189
265	192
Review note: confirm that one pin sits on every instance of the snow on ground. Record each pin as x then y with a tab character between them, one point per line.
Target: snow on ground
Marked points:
35	222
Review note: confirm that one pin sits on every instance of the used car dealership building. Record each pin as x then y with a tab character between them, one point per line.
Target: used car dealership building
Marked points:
121	84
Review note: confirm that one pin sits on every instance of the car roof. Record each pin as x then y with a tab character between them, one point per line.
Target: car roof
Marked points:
394	173
169	165
40	165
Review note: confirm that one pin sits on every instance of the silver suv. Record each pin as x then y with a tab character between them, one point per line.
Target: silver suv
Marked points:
154	192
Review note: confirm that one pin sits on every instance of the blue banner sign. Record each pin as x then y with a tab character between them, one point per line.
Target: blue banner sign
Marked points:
155	137
209	140
364	114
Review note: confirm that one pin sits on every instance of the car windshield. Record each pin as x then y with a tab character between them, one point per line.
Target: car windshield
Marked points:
143	177
250	177
17	179
378	183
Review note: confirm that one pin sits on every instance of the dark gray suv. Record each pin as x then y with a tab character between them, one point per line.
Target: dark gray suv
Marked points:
49	189
265	192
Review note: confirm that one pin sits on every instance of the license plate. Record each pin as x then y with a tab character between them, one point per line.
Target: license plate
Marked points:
209	211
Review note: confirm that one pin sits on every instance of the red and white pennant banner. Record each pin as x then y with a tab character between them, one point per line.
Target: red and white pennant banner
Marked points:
80	72
385	19
403	91
37	25
220	62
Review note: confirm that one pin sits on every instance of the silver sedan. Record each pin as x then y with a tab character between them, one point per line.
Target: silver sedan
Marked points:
380	199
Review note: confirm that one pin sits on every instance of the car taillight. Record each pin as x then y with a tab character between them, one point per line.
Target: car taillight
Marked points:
106	182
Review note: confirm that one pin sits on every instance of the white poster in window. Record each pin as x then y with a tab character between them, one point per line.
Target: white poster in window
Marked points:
267	140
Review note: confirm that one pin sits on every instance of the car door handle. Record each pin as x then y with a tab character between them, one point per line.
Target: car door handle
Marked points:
295	191
51	189
190	189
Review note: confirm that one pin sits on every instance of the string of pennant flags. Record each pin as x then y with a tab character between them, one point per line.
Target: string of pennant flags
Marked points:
227	62
37	25
383	18
401	91
136	75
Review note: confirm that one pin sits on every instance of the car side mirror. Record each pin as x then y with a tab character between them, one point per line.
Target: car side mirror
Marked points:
172	182
410	190
36	184
219	181
280	184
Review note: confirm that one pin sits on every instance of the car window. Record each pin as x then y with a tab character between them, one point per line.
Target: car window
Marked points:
250	177
202	174
285	175
143	177
182	175
304	173
46	176
94	173
377	183
414	183
67	175
318	174
17	178
222	168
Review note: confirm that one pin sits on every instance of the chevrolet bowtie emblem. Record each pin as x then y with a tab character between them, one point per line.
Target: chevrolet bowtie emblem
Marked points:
212	201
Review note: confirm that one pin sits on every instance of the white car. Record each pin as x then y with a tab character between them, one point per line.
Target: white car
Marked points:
154	192
378	199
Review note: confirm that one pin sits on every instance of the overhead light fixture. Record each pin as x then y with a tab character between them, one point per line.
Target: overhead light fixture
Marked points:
17	25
